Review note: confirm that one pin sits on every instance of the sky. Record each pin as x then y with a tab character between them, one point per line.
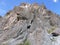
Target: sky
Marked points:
6	5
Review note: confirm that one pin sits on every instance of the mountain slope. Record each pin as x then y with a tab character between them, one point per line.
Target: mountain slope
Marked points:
32	23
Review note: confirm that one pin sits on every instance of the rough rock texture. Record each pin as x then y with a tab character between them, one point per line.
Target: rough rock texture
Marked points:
30	22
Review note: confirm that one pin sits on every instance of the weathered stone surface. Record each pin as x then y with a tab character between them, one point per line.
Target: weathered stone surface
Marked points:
31	22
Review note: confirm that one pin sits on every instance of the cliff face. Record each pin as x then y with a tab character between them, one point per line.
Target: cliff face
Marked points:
30	24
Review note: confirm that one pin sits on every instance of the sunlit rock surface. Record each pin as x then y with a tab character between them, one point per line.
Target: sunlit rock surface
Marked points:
31	22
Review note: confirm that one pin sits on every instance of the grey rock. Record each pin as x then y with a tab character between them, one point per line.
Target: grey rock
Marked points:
31	22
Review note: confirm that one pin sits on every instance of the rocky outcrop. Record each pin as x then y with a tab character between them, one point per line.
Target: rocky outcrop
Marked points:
30	23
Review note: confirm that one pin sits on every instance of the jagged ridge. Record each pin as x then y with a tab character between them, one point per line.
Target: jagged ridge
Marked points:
31	22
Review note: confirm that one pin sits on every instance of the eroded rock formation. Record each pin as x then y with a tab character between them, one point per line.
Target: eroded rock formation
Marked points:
30	22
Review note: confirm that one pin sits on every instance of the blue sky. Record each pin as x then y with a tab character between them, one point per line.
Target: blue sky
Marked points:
6	5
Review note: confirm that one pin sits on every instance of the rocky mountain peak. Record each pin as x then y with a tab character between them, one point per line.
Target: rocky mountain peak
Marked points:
31	23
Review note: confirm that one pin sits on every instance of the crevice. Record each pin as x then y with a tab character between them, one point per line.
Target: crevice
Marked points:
18	18
24	18
28	27
18	14
55	34
31	21
21	18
